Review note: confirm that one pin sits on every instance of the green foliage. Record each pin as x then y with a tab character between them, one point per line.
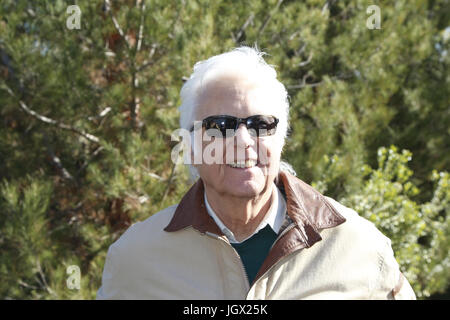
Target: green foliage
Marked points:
419	231
24	242
86	117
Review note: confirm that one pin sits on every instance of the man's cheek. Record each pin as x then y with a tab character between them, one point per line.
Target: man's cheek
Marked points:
269	158
264	154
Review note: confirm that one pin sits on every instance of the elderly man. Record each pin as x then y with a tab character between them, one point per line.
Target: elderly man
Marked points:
248	228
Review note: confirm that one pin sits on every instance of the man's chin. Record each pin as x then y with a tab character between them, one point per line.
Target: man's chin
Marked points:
245	189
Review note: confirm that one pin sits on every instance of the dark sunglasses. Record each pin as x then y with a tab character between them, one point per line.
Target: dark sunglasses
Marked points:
226	126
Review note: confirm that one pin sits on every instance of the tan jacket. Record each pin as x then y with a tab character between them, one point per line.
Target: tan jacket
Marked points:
326	251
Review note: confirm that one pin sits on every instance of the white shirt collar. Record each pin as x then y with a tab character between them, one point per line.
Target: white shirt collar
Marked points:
274	217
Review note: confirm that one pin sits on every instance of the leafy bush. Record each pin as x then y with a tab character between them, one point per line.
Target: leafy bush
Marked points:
419	231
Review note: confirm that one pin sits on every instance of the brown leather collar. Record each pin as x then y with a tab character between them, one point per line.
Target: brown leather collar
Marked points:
191	211
307	208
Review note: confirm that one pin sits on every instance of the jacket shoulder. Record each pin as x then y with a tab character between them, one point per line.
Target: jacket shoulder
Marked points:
362	236
145	232
358	226
131	256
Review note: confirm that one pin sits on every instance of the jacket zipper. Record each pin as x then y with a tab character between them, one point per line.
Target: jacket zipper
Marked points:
289	227
236	254
238	258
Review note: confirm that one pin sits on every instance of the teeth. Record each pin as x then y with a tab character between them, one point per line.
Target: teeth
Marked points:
243	164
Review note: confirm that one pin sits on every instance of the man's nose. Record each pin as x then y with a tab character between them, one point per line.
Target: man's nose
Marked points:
243	137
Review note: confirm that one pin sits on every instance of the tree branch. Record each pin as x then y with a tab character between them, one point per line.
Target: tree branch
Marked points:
116	23
169	182
92	156
308	61
266	22
47	120
171	35
26	285
145	65
148	62
141	28
56	161
304	85
43	281
135	102
244	26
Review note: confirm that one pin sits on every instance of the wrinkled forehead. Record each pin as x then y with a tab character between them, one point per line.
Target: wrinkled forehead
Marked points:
237	96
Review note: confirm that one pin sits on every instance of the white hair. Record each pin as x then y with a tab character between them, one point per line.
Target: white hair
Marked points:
245	63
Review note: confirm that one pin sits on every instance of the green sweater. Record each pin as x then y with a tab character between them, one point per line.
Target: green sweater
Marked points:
254	250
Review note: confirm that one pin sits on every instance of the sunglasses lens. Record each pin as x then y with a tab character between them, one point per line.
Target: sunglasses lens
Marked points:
262	125
220	126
